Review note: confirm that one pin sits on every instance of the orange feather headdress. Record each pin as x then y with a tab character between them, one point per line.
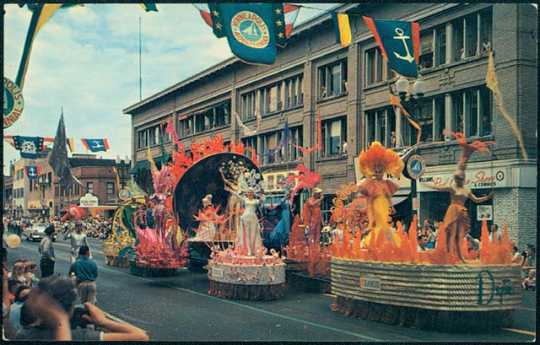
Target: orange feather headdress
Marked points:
377	154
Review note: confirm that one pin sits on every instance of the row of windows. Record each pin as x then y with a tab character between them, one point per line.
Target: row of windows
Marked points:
215	117
471	113
151	136
18	193
273	147
282	95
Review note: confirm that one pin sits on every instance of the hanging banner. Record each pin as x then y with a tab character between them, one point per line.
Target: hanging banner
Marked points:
32	171
399	42
96	145
13	102
29	147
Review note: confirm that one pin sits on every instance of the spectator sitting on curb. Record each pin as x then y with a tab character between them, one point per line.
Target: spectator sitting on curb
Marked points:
85	271
37	326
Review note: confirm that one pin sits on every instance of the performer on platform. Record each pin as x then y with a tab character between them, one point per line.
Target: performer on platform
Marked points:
248	239
374	164
311	216
279	236
234	204
456	221
207	228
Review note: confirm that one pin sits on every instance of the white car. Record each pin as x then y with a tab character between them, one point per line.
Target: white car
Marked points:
37	233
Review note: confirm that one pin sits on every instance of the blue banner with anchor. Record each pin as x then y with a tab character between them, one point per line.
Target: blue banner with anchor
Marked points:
253	30
399	42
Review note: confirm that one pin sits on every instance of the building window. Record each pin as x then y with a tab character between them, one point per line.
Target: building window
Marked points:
472	111
90	187
110	190
271	99
334	135
295	141
472	35
485	111
485	30
439	118
425	119
186	126
426	50
223	114
272	151
293	92
380	126
248	106
333	79
440	45
250	145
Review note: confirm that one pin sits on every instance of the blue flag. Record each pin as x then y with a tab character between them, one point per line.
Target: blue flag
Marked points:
30	147
96	145
253	30
399	42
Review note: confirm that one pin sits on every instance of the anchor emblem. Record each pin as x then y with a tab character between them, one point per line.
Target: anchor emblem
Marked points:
401	36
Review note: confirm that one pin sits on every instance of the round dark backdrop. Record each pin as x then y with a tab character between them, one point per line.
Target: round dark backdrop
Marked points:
201	179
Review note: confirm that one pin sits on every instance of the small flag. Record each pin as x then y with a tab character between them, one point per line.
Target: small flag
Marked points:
28	146
342	27
399	42
96	145
32	171
149	6
253	30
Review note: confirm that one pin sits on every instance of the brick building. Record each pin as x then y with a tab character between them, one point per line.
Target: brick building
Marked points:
349	88
7	192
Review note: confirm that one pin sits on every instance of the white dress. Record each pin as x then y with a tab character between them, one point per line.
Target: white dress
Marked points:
77	240
248	238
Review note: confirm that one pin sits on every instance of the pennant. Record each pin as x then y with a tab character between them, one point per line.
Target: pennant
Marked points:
58	159
29	147
493	85
253	30
96	145
342	28
399	42
32	171
148	6
247	132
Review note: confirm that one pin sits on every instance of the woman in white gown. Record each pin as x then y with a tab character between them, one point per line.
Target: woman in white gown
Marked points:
77	240
248	238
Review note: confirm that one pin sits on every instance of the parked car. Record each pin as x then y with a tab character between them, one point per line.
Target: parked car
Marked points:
37	233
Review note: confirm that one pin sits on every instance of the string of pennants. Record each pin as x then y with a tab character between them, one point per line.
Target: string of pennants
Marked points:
34	147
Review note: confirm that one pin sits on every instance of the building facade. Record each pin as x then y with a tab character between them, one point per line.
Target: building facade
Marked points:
348	88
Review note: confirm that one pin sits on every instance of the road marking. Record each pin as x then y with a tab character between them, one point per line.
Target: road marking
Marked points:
521	331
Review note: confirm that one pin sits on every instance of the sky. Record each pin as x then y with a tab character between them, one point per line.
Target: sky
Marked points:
85	60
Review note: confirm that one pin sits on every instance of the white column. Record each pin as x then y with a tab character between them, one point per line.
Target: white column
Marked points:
398	127
449	43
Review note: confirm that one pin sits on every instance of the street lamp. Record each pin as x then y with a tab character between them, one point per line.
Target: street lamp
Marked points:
409	98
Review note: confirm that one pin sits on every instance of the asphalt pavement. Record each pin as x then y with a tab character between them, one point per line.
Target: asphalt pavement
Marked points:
179	309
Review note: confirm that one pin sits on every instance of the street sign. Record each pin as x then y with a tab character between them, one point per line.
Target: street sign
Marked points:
484	211
416	165
89	200
13	102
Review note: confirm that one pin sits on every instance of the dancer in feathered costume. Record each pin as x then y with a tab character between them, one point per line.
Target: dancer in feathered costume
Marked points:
374	164
456	221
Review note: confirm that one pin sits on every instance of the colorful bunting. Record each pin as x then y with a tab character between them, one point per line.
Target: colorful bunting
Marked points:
253	30
399	42
342	28
96	145
28	146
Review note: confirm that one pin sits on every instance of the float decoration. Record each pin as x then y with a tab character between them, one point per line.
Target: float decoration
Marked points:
378	273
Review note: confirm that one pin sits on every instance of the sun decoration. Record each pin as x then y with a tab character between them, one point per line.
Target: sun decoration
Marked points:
377	154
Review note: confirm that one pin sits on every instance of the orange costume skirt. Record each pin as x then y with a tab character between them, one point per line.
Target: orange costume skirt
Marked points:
457	218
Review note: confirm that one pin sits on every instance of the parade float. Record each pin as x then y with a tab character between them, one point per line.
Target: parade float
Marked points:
378	274
245	270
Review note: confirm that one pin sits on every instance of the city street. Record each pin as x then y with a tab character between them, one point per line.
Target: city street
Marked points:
178	308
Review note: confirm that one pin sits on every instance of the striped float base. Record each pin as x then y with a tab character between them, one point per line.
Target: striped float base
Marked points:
151	272
246	292
435	320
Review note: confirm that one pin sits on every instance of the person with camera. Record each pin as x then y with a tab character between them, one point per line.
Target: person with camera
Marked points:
85	271
46	320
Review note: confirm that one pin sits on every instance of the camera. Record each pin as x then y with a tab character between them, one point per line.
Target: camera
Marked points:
77	321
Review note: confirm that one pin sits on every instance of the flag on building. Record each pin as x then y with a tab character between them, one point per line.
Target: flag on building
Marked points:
96	145
399	42
29	147
149	6
342	28
253	30
32	171
58	159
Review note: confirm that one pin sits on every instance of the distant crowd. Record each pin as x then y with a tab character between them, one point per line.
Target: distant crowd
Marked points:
93	227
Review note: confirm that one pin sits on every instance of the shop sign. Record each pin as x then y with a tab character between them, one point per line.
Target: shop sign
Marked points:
370	282
484	212
474	179
89	200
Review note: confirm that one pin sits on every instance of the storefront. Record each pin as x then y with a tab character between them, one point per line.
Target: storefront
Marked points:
509	182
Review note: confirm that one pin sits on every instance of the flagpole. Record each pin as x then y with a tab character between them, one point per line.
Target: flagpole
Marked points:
140	60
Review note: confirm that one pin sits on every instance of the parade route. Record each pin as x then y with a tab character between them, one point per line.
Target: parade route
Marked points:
179	307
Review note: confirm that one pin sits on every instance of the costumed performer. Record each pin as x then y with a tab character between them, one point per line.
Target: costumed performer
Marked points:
248	238
456	221
234	203
374	164
311	216
207	228
279	237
